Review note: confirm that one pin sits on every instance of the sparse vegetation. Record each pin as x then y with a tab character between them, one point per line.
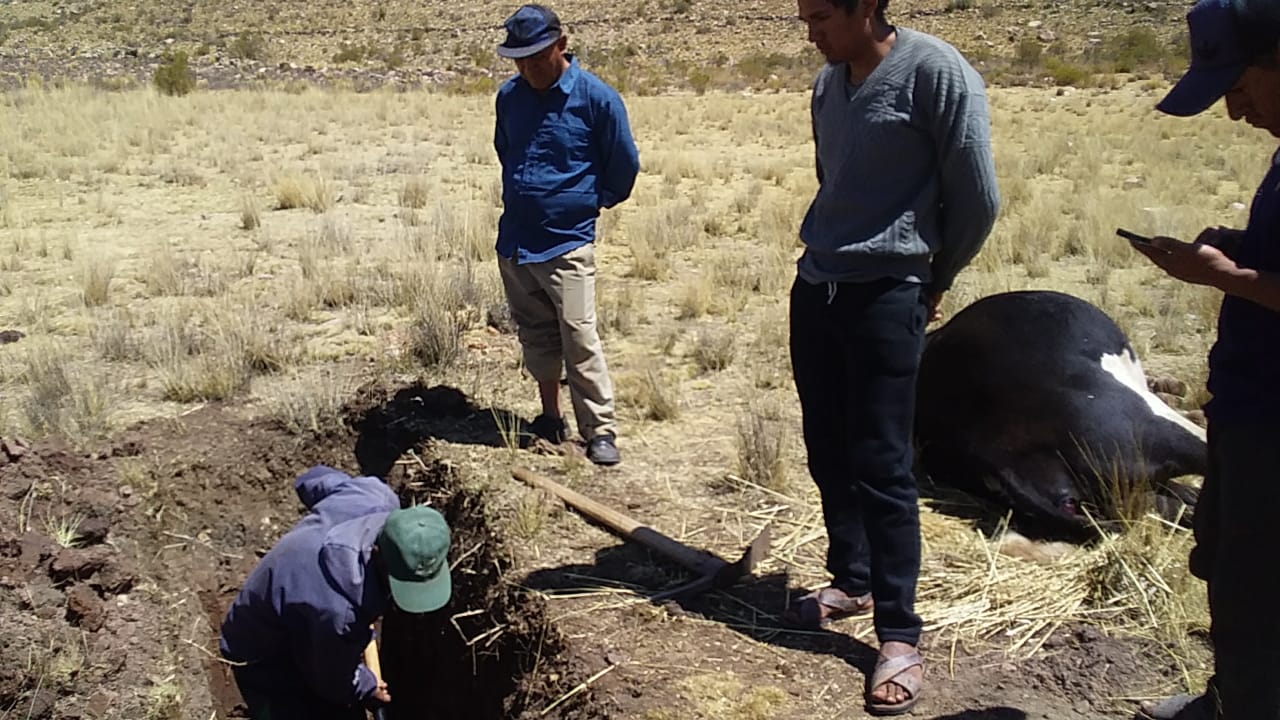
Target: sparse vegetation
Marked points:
95	281
762	440
250	46
276	316
714	349
175	77
652	394
529	517
307	405
416	192
293	190
64	530
60	400
164	700
250	218
435	339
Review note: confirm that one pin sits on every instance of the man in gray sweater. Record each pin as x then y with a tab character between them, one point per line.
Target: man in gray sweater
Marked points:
907	195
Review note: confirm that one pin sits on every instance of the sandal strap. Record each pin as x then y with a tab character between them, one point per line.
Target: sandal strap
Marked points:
838	600
1168	708
893	669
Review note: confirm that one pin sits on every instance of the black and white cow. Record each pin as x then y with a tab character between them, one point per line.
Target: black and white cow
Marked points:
1037	399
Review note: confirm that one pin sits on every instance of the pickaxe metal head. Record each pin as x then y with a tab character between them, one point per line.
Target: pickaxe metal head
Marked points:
722	574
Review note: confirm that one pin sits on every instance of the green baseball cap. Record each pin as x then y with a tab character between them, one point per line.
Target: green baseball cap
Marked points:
414	543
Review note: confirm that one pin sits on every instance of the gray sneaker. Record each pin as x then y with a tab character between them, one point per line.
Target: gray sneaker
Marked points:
602	450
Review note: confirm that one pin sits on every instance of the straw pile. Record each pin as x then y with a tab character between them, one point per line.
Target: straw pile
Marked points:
971	588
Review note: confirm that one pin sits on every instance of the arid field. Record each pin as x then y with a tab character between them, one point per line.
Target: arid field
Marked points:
214	290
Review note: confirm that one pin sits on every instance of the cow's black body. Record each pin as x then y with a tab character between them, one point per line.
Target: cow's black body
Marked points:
1014	403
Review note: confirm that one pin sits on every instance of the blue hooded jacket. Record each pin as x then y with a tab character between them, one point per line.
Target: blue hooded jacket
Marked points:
308	605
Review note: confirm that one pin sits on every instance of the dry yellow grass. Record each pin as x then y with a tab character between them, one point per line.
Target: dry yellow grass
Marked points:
137	245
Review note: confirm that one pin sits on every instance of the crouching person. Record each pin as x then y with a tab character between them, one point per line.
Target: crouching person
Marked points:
298	631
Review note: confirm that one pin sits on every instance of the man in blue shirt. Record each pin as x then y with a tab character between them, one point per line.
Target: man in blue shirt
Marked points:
566	150
301	626
1234	55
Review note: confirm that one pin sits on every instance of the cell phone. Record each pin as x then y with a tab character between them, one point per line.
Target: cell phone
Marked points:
1134	237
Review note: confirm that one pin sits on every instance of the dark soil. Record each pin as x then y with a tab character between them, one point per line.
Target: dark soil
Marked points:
165	523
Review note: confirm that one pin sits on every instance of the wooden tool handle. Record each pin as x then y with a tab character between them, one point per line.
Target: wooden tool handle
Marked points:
372	661
604	514
697	561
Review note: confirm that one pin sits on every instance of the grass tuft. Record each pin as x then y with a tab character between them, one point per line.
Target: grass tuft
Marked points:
95	278
293	190
64	530
714	349
762	441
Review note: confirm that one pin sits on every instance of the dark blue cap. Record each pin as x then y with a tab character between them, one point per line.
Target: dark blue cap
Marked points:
1223	43
532	29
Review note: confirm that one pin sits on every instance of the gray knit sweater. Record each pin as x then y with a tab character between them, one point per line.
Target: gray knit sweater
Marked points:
907	185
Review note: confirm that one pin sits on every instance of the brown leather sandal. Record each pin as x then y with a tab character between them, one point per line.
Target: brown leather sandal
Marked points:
894	670
1178	707
821	607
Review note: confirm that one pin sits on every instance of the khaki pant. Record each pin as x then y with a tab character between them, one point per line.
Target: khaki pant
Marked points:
554	306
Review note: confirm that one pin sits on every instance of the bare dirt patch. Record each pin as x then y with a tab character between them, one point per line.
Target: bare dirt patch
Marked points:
118	566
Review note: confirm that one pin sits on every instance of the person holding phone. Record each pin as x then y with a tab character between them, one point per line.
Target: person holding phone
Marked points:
1234	55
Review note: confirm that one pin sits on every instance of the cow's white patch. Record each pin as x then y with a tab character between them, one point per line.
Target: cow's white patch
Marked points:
1128	370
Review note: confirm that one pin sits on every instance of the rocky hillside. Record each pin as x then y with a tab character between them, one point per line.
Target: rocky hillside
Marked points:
646	44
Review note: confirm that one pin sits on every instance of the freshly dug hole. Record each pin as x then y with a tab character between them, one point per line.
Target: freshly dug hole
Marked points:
491	654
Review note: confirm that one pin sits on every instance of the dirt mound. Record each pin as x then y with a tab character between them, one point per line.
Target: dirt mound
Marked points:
118	567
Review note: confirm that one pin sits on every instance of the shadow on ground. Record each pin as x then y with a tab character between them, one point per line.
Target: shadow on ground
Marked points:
388	427
995	713
751	607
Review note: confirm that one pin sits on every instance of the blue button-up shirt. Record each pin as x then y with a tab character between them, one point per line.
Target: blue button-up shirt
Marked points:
566	152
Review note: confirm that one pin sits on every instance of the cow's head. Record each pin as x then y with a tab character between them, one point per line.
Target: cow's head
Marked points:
1049	503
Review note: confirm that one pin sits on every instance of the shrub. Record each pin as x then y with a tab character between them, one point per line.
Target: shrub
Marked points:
1137	48
174	77
714	350
351	53
1028	51
1065	73
248	47
699	80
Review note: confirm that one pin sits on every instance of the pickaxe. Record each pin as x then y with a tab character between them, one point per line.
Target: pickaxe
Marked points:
712	572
